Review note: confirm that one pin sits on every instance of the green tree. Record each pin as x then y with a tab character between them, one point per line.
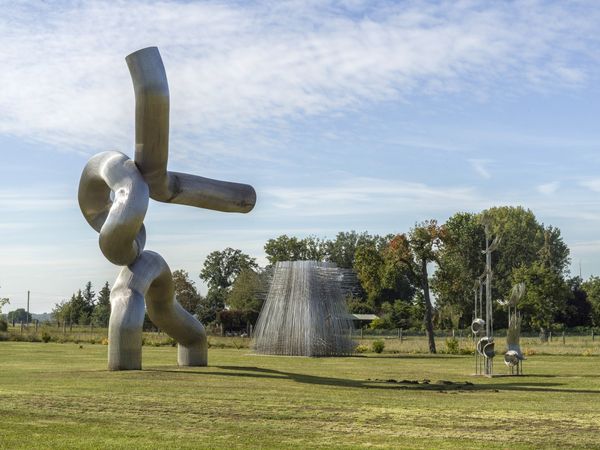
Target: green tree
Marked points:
211	304
248	291
222	267
592	290
342	249
524	241
285	248
3	303
185	291
19	315
87	308
78	309
578	309
101	314
368	265
62	312
461	262
545	295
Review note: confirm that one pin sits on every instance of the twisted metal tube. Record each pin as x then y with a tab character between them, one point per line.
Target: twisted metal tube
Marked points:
149	278
120	222
152	145
113	196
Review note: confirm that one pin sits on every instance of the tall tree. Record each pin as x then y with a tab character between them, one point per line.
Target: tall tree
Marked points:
424	240
19	315
342	249
592	289
222	267
248	291
285	248
185	291
461	264
545	295
101	314
89	298
578	309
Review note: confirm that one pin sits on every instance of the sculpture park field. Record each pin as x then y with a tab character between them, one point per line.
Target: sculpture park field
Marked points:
62	396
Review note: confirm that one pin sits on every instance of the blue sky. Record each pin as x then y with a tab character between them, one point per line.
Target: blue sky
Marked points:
342	114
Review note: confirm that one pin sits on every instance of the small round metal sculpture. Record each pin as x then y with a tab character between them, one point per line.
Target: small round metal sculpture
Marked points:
114	192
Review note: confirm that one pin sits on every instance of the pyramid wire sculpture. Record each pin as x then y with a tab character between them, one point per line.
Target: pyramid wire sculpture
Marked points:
305	312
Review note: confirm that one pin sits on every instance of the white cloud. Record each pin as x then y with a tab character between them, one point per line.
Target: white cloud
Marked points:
366	196
548	188
232	65
592	184
479	166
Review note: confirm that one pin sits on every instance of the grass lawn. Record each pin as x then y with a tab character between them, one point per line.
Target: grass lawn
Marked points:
61	396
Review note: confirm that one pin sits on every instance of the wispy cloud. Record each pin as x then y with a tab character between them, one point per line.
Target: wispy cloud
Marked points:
366	196
592	184
480	167
232	65
548	188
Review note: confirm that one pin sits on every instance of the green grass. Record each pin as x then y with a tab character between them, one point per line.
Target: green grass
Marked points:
61	396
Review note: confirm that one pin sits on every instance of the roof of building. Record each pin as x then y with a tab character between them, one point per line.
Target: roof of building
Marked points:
364	316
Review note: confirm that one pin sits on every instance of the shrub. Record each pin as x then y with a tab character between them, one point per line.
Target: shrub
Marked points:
46	337
452	346
104	341
361	348
3	325
529	352
588	352
378	346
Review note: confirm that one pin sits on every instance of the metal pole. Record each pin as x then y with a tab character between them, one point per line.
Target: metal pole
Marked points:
27	319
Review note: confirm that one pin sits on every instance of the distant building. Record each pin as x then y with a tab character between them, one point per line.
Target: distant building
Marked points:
360	320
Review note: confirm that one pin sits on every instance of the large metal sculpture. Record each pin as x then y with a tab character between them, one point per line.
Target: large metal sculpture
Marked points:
305	312
485	352
114	192
513	358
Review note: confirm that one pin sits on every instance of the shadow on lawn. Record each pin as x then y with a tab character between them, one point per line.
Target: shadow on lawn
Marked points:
520	383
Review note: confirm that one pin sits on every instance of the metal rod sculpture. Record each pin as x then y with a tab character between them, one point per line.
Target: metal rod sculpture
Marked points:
119	221
305	312
485	352
514	357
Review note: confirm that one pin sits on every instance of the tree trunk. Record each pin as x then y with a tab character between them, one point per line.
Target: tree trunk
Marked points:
428	309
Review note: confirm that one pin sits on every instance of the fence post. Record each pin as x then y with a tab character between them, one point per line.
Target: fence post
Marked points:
401	335
550	336
563	338
361	332
21	327
593	337
36	326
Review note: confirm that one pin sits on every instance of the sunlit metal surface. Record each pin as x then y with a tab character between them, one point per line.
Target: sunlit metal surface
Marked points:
114	192
305	312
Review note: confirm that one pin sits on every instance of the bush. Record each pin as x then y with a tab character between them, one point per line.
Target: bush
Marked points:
452	346
3	325
46	337
361	348
378	346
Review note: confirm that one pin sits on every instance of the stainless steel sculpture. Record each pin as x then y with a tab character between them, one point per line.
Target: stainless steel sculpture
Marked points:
114	192
514	357
305	312
485	348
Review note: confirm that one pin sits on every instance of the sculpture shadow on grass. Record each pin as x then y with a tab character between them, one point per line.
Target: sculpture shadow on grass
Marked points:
390	384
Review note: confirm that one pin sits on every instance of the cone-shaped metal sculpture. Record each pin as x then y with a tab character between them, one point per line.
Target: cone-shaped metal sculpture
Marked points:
305	312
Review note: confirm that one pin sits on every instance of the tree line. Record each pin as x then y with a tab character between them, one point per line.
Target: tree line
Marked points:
420	279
